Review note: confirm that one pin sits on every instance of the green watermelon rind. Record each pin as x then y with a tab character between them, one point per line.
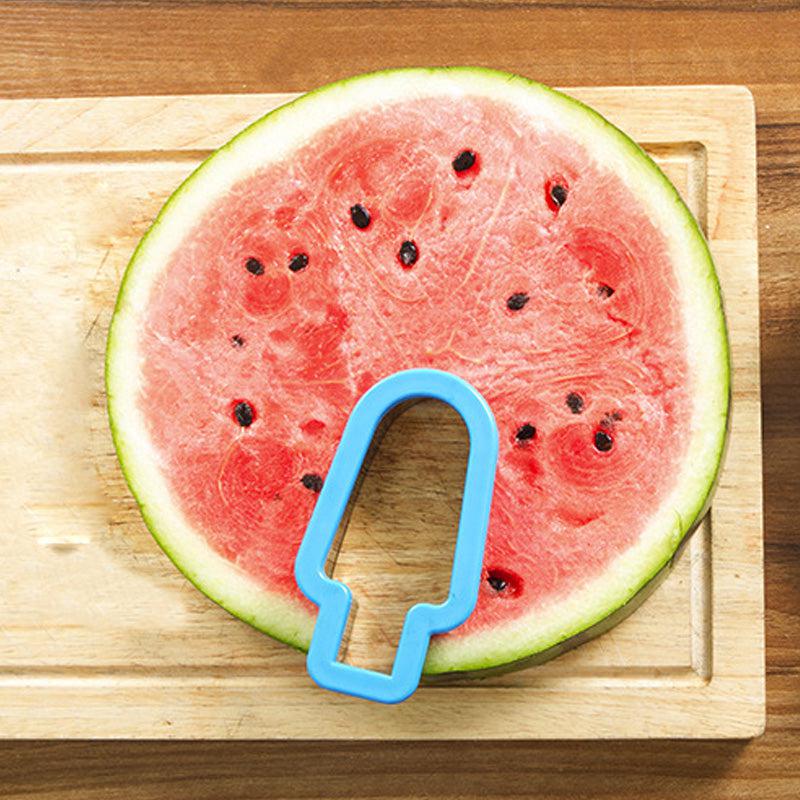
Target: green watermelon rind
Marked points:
286	620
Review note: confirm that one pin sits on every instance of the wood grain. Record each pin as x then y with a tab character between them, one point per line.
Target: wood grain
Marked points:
60	49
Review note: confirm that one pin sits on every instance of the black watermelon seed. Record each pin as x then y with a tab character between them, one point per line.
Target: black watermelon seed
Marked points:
517	301
312	481
408	254
604	290
243	413
254	266
360	216
525	432
558	193
237	341
504	581
575	403
603	441
298	262
464	161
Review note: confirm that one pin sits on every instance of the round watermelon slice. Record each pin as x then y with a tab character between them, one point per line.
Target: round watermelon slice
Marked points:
461	219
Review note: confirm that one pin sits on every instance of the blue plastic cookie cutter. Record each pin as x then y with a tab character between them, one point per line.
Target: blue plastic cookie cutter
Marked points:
423	619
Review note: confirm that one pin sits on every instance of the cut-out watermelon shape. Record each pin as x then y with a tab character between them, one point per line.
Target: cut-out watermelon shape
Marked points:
460	219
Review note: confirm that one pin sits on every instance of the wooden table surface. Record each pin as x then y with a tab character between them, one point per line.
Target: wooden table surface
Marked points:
79	48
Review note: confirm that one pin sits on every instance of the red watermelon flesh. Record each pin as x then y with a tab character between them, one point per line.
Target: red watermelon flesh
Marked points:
537	273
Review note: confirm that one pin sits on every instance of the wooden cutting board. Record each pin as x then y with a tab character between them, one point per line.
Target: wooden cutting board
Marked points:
102	637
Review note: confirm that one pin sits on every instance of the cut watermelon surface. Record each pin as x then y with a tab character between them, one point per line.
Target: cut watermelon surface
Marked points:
461	219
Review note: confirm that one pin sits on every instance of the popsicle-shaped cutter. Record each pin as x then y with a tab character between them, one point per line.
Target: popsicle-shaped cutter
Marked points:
423	619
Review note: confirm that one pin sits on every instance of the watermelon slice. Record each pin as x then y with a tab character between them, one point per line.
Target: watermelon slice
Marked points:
461	219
